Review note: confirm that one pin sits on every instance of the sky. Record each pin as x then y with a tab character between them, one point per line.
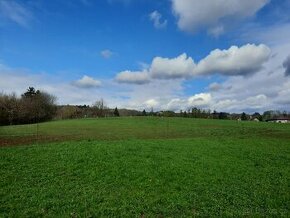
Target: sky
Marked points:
223	55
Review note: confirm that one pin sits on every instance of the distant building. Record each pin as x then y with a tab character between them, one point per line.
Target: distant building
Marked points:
279	120
256	120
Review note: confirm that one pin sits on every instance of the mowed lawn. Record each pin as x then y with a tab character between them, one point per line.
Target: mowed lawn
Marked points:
145	167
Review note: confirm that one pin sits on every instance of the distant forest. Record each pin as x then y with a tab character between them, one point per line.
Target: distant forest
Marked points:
38	106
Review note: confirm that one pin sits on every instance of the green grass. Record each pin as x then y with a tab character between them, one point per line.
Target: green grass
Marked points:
145	167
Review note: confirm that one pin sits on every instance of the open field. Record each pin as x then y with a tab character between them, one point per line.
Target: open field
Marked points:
145	167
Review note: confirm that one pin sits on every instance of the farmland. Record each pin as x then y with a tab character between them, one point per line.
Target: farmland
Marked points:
145	167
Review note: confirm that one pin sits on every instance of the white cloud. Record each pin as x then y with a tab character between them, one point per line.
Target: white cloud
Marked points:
159	90
200	100
166	68
87	82
175	104
250	104
107	53
151	103
243	60
194	15
138	77
266	90
15	12
156	17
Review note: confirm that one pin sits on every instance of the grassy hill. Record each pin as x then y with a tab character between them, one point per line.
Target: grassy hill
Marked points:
145	167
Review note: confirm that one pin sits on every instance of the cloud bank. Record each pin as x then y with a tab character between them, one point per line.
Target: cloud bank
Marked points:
244	60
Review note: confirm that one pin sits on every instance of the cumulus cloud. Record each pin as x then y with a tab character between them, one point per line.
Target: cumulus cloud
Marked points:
200	100
194	15
166	68
151	103
269	89
87	82
242	60
107	53
15	12
156	18
286	65
137	77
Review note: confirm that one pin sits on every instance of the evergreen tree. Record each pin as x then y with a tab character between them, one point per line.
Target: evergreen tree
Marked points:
116	112
244	116
184	114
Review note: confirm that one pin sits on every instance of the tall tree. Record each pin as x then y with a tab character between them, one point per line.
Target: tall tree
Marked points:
37	106
116	112
100	109
244	116
144	113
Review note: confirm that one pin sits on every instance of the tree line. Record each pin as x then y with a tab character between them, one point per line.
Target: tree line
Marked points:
35	106
208	114
98	109
38	106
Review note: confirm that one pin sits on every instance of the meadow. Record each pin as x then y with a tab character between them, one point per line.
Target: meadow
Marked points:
145	167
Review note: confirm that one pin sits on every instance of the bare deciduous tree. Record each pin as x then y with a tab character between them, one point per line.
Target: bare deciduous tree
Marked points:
100	109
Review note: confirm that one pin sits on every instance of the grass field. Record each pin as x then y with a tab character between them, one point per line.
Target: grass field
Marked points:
145	167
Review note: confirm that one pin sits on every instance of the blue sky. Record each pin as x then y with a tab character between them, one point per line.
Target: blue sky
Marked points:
166	54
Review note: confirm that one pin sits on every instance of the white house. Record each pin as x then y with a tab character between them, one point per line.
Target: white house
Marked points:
279	120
